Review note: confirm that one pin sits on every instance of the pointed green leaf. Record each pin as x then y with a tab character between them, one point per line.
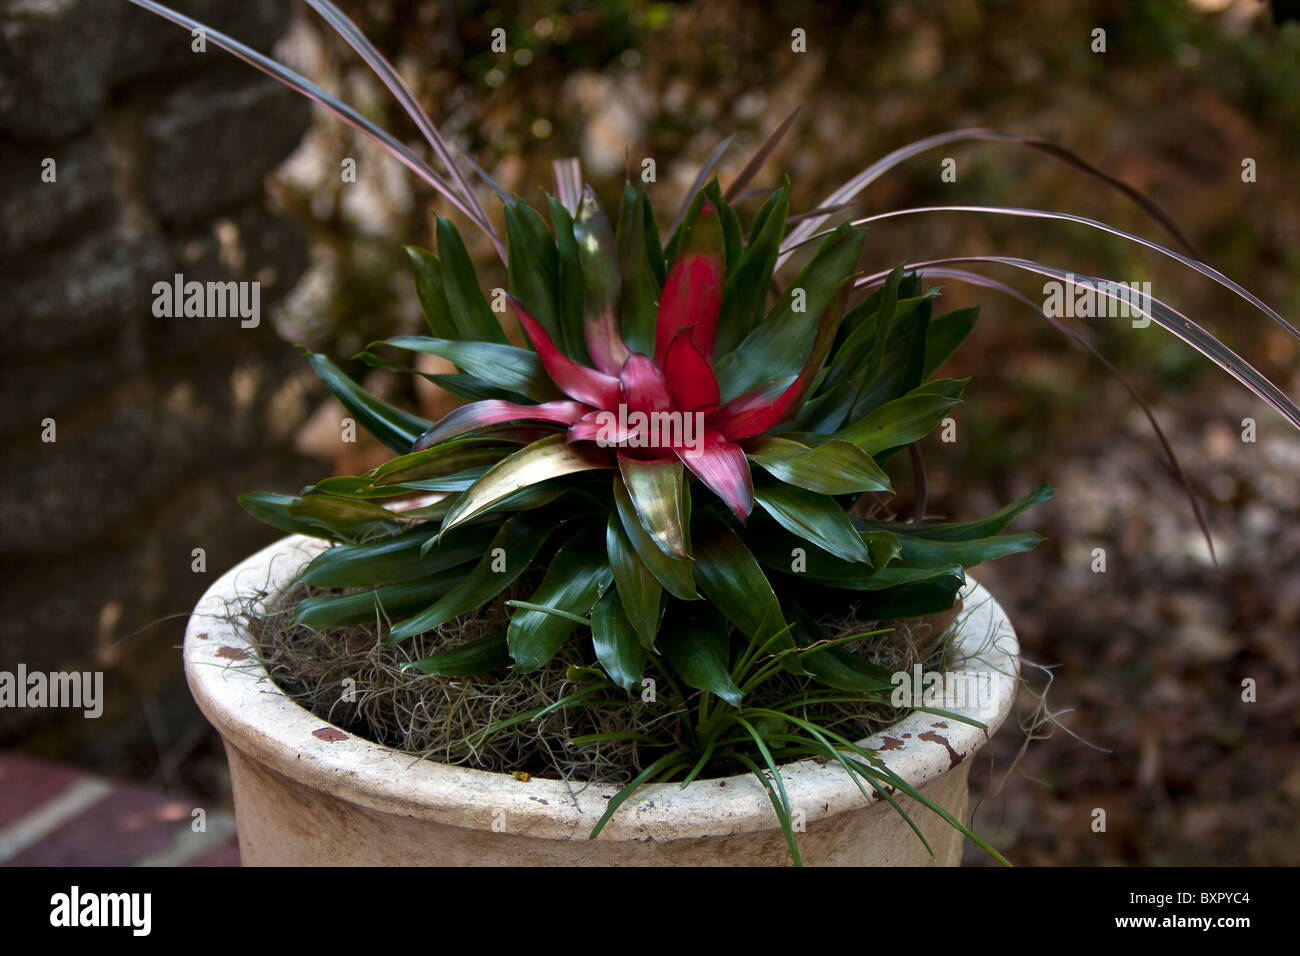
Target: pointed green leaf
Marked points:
933	594
639	287
431	293
517	370
533	266
766	353
903	365
673	573
638	589
657	488
542	460
393	427
473	657
392	601
782	551
273	509
744	297
814	517
832	468
394	558
598	256
339	513
900	422
445	458
923	553
734	583
946	334
575	580
970	530
512	549
697	646
618	648
570	290
470	311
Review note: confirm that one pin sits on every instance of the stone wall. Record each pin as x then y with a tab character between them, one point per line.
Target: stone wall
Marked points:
159	158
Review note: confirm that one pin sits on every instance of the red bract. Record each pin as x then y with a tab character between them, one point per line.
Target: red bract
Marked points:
662	407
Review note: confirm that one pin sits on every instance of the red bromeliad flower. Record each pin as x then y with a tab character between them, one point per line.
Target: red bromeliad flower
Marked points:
665	407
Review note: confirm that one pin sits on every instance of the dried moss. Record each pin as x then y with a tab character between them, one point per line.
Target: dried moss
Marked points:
353	678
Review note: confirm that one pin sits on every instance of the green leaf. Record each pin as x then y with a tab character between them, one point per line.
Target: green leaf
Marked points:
473	657
683	228
394	558
273	509
653	244
598	258
858	359
923	553
970	530
832	468
339	513
526	499
512	549
570	290
656	489
698	649
638	589
575	580
673	573
946	334
734	583
813	517
471	388
903	364
639	288
470	311
533	266
544	459
732	241
834	664
841	669
767	354
354	486
393	427
392	601
445	458
930	595
430	291
900	422
744	296
514	369
776	549
618	648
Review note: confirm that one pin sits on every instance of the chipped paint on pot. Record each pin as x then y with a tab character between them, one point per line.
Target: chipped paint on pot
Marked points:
308	793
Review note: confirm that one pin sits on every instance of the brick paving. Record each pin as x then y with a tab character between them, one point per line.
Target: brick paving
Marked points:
52	815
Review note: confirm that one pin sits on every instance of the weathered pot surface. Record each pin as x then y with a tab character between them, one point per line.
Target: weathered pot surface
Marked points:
308	793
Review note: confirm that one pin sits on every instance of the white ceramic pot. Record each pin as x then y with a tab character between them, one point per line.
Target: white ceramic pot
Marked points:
308	793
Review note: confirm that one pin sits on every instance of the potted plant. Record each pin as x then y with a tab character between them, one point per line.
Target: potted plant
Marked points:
665	518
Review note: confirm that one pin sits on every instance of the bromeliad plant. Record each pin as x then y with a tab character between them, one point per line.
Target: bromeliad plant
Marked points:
679	458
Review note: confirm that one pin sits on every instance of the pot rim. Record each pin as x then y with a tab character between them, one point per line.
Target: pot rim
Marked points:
252	714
